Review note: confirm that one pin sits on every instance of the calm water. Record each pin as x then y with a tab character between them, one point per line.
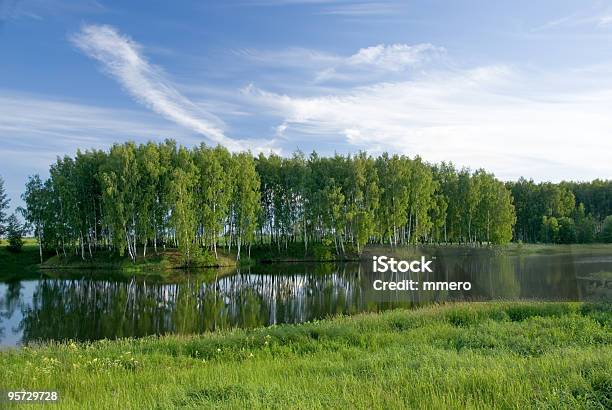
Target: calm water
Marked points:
95	306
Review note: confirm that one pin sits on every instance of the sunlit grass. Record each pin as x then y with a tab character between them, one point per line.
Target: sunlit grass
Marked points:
482	355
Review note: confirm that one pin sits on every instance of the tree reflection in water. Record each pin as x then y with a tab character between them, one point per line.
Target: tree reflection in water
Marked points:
90	308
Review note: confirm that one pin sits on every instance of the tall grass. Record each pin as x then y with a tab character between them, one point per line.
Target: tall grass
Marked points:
482	355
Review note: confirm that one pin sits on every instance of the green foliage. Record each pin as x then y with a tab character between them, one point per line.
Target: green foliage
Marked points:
214	190
550	230
14	233
183	197
323	251
135	197
159	194
4	203
585	225
606	231
586	203
567	230
246	199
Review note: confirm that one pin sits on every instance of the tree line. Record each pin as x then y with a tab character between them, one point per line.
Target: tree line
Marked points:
134	199
568	212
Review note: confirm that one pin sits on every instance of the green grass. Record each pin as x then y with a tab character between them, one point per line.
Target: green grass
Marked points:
19	264
26	263
481	355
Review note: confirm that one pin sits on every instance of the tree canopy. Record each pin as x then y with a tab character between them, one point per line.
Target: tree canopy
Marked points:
132	198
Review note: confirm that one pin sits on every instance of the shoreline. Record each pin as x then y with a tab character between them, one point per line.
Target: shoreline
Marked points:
169	261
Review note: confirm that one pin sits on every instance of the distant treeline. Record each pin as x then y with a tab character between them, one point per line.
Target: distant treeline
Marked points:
137	197
568	212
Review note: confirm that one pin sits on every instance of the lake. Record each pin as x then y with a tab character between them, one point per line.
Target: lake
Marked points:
95	305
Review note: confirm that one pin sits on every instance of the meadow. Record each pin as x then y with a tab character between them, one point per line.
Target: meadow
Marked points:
479	355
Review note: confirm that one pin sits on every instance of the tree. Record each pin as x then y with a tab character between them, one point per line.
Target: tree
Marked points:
4	203
447	178
567	230
149	170
421	189
501	213
549	229
214	191
14	233
36	196
393	173
366	198
120	194
182	194
585	225
606	231
469	197
245	201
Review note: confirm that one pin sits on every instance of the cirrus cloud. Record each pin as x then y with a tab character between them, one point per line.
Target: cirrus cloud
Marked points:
123	60
498	117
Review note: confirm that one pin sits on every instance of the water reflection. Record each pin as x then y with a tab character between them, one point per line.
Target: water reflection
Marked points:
91	308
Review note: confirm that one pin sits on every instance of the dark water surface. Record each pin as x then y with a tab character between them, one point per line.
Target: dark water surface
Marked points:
89	306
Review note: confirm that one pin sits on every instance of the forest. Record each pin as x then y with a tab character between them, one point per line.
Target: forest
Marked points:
135	199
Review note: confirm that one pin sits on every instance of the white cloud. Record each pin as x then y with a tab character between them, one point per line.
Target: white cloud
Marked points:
35	129
367	64
39	9
59	126
512	122
394	57
122	59
345	8
602	19
294	57
605	21
369	9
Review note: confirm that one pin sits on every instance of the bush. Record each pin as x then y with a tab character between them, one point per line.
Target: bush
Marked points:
323	251
202	258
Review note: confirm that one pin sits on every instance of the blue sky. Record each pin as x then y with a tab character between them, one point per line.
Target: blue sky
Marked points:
519	88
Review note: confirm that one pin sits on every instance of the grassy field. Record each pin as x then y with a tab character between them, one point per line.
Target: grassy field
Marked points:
24	263
480	355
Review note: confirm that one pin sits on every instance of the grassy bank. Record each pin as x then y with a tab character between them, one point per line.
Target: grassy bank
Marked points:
481	355
163	261
172	259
